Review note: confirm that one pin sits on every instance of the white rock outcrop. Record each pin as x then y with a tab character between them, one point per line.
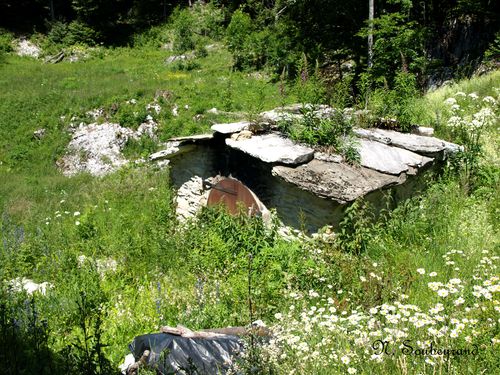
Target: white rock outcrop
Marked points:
27	48
96	148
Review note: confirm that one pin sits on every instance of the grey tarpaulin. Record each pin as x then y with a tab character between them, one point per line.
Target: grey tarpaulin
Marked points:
174	354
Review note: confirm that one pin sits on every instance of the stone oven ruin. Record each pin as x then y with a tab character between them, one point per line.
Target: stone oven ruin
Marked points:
306	187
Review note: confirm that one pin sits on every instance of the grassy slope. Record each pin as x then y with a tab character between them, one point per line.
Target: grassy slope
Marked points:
165	275
36	95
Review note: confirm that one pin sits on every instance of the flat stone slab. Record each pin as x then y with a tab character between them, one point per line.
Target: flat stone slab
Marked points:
338	181
388	159
273	148
412	142
231	128
172	148
193	138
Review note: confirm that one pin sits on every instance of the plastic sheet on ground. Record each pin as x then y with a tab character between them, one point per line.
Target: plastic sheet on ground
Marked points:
174	354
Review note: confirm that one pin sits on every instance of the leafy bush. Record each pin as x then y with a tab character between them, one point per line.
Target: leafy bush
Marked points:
333	131
309	85
80	33
470	117
356	228
397	103
141	148
398	44
187	65
130	116
208	20
237	34
493	51
6	40
201	51
155	37
75	32
23	336
183	24
255	45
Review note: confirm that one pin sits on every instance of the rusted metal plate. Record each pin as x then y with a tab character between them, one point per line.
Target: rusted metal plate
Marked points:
234	196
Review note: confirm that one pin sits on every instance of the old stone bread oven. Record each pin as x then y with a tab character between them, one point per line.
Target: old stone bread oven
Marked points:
305	186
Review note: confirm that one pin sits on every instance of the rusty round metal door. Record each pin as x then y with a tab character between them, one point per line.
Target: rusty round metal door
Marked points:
234	196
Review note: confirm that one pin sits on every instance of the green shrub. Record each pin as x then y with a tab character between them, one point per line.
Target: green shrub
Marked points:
183	24
331	132
493	51
80	33
399	102
339	93
237	34
208	20
75	32
130	116
356	228
6	40
201	51
154	37
141	148
58	31
309	86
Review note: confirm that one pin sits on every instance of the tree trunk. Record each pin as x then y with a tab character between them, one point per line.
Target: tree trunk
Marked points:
371	12
52	11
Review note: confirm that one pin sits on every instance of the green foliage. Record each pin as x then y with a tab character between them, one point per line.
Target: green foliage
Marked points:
334	131
130	116
493	51
237	34
154	37
398	45
397	103
183	24
24	333
185	65
309	85
86	353
208	20
141	148
6	40
340	93
80	33
356	228
201	51
222	242
256	45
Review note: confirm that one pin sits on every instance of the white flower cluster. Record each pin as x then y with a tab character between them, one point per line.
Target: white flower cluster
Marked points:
461	107
322	334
